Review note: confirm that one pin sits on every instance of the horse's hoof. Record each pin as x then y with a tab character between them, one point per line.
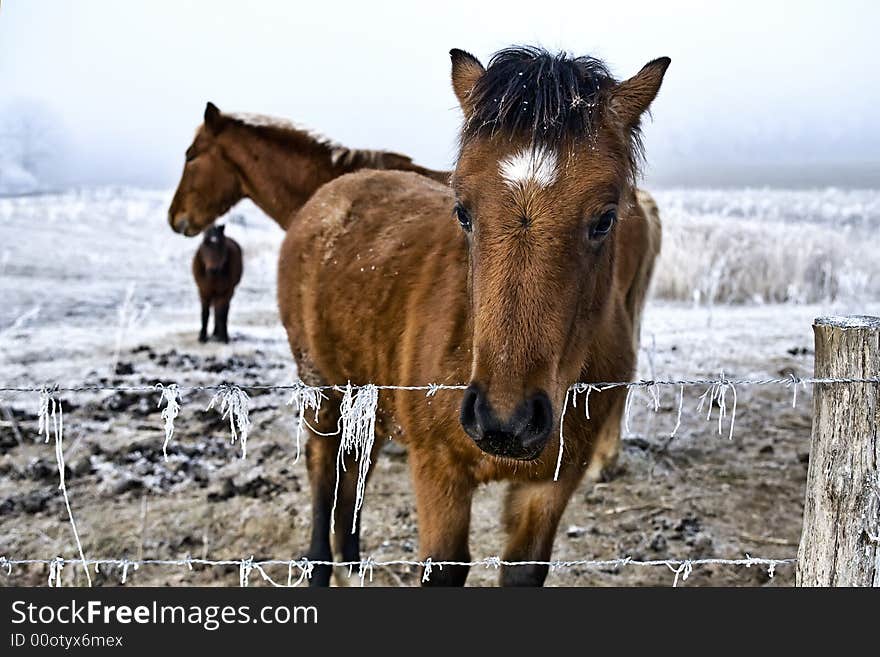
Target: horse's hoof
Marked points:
203	338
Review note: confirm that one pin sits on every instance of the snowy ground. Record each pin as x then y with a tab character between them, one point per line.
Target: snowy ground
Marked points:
96	288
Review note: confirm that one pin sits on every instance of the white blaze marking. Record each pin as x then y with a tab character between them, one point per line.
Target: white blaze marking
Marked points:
530	165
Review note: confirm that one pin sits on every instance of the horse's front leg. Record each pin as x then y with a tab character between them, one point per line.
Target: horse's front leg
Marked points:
531	515
221	316
347	529
206	312
443	502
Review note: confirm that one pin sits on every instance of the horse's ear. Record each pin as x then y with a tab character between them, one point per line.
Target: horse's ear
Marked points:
214	119
632	97
466	70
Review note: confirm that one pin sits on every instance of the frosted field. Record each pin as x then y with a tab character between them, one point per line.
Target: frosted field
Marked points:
766	246
94	279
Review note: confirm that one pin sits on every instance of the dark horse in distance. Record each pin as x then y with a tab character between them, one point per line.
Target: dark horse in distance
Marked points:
217	267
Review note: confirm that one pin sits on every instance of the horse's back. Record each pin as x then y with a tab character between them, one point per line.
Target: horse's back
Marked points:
354	211
350	266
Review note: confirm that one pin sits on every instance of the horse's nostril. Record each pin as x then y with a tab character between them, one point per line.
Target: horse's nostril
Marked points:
542	414
468	416
178	224
538	423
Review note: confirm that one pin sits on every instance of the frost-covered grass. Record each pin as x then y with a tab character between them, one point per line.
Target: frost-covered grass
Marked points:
769	246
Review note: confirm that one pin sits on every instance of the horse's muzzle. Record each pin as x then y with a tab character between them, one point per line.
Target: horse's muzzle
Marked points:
180	224
523	436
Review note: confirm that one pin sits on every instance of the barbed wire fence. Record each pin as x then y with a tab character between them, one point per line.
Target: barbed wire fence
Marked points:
300	570
356	429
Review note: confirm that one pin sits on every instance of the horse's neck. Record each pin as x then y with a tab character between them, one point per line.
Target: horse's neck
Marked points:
280	176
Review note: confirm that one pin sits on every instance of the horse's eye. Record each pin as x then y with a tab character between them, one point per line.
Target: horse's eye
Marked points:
464	218
190	156
604	224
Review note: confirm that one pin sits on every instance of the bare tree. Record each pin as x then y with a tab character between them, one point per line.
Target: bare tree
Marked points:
31	138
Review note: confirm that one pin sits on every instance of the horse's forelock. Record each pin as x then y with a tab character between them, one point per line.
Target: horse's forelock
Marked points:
529	94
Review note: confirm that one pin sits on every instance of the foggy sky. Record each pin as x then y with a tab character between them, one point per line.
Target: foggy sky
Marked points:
755	88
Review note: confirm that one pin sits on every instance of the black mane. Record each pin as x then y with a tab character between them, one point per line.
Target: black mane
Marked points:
529	92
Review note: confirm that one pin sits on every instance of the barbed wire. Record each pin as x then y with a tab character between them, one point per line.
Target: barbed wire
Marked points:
433	388
681	568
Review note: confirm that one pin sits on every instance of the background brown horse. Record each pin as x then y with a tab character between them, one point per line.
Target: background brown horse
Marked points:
217	267
538	284
273	162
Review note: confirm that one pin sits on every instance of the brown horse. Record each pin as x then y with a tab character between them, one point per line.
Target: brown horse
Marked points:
527	275
217	267
273	162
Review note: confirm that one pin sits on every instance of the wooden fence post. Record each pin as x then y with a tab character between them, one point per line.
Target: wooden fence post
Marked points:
840	543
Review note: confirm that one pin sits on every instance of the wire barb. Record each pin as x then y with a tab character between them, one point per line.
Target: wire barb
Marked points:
170	396
304	398
716	395
50	407
233	402
357	428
